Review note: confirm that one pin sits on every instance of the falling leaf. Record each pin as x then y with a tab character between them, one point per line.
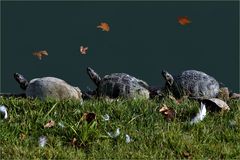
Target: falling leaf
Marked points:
50	124
42	141
88	116
83	50
183	20
168	113
200	115
114	135
3	111
40	54
104	26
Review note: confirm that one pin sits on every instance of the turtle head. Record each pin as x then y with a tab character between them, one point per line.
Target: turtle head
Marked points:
21	80
168	77
93	76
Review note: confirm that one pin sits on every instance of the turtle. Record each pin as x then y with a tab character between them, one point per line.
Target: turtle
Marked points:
118	85
191	83
48	87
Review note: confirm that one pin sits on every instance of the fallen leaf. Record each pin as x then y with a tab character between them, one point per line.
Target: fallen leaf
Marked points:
168	113
22	136
187	155
88	116
50	124
74	141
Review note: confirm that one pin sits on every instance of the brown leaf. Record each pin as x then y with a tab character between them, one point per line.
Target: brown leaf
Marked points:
83	50
40	54
50	124
88	116
168	113
74	141
22	136
183	20
104	26
187	155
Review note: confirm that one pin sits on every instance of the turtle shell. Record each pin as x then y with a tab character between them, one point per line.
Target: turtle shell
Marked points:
195	84
122	85
51	87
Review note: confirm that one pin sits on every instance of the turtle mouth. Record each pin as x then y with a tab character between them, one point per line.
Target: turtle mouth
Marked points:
18	77
164	73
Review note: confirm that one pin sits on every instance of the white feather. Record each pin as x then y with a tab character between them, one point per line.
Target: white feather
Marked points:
114	135
42	141
128	139
3	111
200	115
106	117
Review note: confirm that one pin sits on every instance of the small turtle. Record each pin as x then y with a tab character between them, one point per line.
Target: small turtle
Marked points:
119	85
195	84
48	87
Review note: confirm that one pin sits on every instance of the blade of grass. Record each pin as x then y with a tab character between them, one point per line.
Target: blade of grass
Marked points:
50	110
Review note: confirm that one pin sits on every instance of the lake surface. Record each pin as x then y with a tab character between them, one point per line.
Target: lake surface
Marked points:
144	39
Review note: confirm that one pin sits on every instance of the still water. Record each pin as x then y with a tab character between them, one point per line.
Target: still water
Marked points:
144	39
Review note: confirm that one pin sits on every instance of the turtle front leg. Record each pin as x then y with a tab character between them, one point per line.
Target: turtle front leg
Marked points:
21	80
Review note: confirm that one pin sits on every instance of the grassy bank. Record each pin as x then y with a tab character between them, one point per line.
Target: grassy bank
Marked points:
151	136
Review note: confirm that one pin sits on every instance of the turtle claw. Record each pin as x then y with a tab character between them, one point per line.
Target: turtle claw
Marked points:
21	80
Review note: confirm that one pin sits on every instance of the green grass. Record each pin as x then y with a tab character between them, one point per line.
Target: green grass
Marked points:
216	137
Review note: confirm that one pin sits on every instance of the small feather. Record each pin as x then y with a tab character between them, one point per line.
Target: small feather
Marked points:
128	139
114	135
3	111
42	141
200	115
106	117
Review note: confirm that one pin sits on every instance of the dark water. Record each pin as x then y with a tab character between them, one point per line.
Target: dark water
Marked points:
144	39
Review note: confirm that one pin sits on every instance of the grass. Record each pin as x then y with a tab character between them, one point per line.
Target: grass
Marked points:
152	137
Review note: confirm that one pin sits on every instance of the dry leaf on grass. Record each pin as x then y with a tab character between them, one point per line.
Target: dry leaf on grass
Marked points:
50	124
168	113
88	116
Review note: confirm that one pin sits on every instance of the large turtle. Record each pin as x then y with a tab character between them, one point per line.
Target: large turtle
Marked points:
119	85
48	87
192	83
